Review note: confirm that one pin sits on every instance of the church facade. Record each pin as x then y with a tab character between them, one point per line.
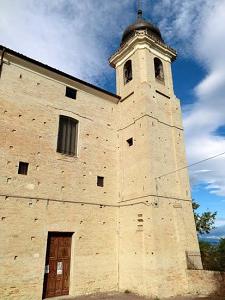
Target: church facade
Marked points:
92	190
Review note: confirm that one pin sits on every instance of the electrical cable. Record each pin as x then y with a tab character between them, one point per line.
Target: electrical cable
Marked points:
191	165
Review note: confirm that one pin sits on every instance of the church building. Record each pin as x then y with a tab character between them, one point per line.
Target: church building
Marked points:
93	194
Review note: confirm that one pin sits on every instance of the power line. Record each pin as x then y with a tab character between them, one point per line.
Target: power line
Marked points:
191	165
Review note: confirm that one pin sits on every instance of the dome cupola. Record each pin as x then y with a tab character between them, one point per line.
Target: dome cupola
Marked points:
141	24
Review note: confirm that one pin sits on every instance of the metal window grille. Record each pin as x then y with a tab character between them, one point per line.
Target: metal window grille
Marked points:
67	136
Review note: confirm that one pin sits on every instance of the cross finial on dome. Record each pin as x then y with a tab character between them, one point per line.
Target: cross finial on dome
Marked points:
139	14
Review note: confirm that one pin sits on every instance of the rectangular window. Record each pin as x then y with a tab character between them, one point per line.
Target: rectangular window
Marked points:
23	168
67	135
100	181
71	93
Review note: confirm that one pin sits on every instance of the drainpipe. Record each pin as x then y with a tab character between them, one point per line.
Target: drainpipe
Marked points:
1	61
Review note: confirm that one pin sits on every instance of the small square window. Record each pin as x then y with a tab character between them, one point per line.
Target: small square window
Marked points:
23	168
130	142
71	93
100	181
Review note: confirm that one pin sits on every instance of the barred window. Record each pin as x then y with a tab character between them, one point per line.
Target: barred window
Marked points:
67	135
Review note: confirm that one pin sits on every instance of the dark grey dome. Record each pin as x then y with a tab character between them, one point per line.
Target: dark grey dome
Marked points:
141	24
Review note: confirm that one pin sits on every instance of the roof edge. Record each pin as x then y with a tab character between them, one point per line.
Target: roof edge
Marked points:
42	65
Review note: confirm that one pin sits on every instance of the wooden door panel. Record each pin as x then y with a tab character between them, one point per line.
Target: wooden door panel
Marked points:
52	269
53	248
56	282
50	287
64	248
59	285
64	253
66	275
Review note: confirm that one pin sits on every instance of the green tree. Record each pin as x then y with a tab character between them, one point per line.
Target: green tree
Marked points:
210	257
221	254
205	221
213	256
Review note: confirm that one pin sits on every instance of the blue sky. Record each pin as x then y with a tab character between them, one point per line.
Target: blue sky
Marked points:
78	37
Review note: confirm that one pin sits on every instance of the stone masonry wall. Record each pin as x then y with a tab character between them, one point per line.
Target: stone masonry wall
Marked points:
60	192
157	227
206	283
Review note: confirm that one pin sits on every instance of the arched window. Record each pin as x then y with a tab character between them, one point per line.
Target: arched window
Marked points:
159	74
127	71
67	135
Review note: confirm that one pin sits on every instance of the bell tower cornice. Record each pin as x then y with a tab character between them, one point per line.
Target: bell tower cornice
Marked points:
139	41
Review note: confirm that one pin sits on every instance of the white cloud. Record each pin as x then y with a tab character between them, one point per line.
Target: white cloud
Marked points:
208	113
73	36
215	237
220	222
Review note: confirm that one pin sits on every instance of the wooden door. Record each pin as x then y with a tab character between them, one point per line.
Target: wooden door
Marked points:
57	265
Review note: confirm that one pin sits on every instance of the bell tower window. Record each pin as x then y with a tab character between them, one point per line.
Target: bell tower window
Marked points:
159	73
127	71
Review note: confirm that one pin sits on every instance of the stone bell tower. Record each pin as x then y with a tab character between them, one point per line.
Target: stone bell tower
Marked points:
157	235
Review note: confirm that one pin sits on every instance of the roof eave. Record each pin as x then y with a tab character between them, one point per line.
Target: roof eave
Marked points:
61	73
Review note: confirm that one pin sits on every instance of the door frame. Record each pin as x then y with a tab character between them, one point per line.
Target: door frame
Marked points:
68	233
